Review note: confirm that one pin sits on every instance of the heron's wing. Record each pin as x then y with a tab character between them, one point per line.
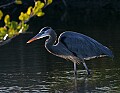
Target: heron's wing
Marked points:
83	46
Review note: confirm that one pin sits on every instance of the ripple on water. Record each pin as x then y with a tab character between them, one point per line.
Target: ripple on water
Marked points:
61	81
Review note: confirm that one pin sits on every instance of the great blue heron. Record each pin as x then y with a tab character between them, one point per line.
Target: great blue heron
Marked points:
72	46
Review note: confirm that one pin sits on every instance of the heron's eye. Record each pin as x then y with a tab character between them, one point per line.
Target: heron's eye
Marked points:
44	32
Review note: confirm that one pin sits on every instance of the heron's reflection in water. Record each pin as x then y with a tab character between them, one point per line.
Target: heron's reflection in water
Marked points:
83	84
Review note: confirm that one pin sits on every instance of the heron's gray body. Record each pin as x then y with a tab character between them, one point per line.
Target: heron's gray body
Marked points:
75	47
72	46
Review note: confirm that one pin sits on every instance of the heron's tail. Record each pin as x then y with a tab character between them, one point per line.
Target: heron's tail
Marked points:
108	52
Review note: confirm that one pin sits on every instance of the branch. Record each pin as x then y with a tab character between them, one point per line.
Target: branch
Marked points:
7	4
19	28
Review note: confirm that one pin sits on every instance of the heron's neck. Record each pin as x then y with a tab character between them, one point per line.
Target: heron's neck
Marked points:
51	41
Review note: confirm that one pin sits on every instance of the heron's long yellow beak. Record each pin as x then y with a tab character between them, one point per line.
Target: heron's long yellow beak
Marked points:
31	40
38	36
34	38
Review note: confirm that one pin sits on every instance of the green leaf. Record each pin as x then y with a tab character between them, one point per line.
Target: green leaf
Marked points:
19	27
23	16
40	14
1	37
29	11
48	2
35	10
1	14
39	4
12	32
7	19
14	25
25	27
18	1
3	31
38	7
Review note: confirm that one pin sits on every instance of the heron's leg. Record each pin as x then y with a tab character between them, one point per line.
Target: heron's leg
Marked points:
75	75
75	69
88	72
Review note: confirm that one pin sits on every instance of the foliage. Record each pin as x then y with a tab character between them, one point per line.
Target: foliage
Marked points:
13	28
48	2
18	1
1	14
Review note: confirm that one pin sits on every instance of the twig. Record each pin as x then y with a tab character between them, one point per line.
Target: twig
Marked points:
7	4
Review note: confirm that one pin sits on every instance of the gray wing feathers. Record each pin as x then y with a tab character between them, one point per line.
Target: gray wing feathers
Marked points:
83	46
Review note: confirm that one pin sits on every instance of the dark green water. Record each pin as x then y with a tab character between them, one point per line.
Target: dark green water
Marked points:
29	68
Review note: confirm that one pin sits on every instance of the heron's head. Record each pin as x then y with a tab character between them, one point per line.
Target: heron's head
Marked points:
43	33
